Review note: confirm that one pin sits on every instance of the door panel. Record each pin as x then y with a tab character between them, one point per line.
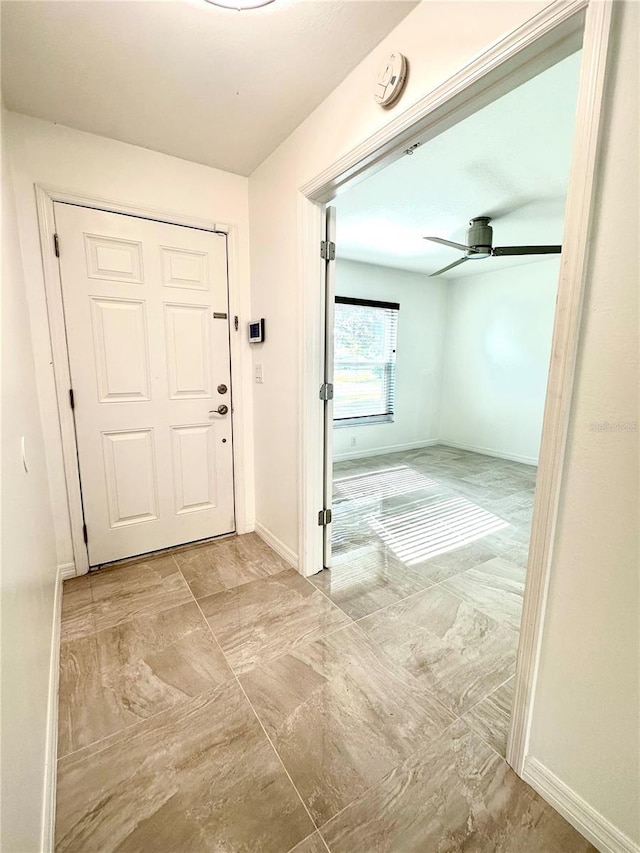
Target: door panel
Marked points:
121	355
184	269
113	260
146	357
188	344
195	482
130	474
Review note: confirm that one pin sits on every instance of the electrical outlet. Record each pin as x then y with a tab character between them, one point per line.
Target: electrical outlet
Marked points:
353	441
257	373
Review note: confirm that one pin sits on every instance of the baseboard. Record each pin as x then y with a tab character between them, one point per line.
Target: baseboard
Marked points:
50	770
391	448
431	442
486	451
590	823
67	571
278	546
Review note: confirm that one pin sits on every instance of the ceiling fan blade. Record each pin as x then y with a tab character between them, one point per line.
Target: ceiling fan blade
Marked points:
450	267
500	251
460	246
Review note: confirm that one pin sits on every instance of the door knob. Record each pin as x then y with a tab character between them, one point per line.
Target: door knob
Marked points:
222	389
221	410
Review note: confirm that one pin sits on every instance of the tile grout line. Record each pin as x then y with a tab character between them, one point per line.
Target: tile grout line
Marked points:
391	770
488	696
406	598
480	610
455	714
235	675
132	617
272	745
461	719
163	710
485	742
354	623
96	634
295	647
329	599
430	586
255	713
426	589
452	487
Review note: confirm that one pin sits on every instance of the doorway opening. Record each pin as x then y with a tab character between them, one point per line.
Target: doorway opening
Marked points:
553	35
439	380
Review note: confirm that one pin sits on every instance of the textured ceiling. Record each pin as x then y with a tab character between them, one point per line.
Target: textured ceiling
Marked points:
510	161
211	85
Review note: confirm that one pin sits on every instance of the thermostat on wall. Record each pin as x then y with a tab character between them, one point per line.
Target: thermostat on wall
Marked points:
390	80
256	331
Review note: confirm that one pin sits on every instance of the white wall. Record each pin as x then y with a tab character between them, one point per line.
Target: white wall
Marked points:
67	159
438	39
28	560
418	359
587	710
497	349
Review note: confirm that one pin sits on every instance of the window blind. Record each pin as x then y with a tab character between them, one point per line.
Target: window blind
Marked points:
364	380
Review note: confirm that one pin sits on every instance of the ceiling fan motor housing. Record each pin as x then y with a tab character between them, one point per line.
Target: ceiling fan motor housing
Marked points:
479	237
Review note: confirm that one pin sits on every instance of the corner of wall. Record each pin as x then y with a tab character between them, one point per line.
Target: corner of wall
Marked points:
50	770
277	544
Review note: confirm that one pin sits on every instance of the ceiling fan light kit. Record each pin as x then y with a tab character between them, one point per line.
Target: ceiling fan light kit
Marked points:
480	245
239	5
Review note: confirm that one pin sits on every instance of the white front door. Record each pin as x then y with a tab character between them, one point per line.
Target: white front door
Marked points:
146	307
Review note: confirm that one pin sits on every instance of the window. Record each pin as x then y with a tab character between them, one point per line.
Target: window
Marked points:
364	376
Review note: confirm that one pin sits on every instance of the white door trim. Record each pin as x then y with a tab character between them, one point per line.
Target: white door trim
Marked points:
542	41
545	39
45	198
564	348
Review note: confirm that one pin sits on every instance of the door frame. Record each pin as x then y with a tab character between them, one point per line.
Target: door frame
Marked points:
549	36
46	196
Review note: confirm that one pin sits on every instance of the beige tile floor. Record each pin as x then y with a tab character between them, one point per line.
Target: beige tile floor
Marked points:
214	700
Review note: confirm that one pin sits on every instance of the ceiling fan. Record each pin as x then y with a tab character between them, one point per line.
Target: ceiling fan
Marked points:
480	245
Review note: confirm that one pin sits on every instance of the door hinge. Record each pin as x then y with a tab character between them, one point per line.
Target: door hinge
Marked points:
327	250
326	391
235	322
85	536
324	517
72	401
56	245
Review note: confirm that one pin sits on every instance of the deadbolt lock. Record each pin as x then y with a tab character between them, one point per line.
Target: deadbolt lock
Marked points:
222	389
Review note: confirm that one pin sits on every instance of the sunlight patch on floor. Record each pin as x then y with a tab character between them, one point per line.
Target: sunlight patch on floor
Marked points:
387	483
435	528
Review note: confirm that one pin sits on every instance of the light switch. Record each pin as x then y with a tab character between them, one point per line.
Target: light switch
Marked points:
257	373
